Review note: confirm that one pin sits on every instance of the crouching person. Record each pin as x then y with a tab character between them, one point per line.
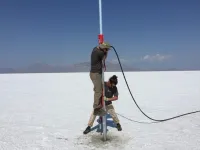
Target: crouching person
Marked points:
111	94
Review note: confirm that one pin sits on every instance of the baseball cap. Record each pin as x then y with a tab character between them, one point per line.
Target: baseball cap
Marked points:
105	45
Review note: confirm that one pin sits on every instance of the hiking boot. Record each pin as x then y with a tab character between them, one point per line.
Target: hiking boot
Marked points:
119	128
99	112
87	130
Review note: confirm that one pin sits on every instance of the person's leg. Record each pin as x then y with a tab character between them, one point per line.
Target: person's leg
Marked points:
97	82
111	111
90	123
91	120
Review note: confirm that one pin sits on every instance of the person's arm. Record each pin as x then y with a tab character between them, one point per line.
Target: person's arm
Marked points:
101	55
105	56
115	96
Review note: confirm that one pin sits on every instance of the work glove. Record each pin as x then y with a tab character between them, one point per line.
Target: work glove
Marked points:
105	99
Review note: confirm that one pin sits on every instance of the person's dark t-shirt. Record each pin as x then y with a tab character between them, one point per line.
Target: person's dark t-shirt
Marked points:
96	60
110	92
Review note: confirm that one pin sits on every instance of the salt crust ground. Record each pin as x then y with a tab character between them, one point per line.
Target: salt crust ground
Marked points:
50	112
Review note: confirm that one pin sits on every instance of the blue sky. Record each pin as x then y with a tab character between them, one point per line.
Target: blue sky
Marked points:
145	33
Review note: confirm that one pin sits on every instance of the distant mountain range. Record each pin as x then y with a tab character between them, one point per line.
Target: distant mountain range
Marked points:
79	67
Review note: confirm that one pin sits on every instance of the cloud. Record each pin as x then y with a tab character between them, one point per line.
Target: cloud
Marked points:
157	58
146	58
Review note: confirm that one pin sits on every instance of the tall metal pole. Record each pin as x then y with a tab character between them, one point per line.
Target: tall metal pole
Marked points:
100	18
101	40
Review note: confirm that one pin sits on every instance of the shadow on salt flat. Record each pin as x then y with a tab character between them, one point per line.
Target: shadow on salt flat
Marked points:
109	123
94	140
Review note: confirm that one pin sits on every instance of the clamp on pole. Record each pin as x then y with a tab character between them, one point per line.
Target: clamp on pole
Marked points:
100	38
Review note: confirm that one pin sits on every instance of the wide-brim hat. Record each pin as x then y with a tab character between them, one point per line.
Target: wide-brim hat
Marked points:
105	45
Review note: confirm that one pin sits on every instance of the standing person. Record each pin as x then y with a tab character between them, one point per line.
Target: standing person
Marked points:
111	94
98	55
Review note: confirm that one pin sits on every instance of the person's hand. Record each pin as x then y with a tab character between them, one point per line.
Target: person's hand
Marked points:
105	99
